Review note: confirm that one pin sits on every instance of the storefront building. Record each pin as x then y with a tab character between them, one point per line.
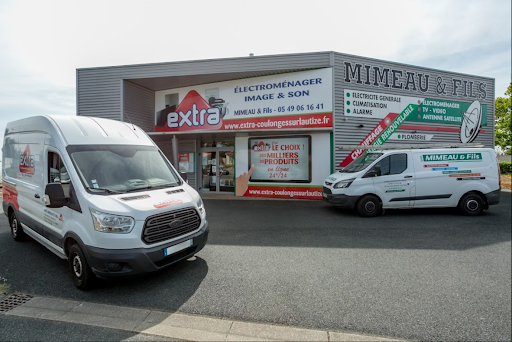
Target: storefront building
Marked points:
277	126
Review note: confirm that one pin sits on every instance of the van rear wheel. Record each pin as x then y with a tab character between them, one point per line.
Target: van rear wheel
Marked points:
80	270
16	230
369	206
471	204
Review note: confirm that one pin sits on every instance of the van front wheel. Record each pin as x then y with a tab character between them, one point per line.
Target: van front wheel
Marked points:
471	204
369	206
80	271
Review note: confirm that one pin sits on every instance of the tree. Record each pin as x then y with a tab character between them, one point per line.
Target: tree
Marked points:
503	125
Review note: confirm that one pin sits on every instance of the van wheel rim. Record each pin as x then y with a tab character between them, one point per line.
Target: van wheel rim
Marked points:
77	266
369	207
472	205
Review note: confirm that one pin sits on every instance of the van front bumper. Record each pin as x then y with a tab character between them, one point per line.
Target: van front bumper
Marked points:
339	200
113	263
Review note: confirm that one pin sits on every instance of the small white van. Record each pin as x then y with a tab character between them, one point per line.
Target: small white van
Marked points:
467	178
100	194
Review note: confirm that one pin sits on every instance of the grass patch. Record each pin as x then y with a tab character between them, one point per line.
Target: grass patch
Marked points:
3	289
506	181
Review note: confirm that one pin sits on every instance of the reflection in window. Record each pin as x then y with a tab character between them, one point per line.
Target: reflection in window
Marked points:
215	143
57	172
393	164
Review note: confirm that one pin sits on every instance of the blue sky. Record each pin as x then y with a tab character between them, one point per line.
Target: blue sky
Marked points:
42	43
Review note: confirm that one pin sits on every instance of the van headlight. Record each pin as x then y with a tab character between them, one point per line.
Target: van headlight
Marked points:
200	205
344	183
109	223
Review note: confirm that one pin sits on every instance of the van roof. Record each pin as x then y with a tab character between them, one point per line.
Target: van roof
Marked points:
82	130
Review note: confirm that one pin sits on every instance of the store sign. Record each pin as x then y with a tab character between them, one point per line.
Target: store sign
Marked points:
411	137
300	100
378	105
413	81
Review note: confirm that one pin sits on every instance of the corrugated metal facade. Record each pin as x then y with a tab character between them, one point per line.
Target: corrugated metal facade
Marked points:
347	130
128	92
99	90
138	106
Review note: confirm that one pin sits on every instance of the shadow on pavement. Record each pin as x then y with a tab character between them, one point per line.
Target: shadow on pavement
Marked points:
38	271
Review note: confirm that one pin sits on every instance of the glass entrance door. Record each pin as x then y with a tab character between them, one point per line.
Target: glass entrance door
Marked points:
218	167
226	172
209	166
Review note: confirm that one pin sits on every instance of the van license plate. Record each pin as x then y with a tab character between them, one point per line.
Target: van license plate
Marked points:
324	194
178	247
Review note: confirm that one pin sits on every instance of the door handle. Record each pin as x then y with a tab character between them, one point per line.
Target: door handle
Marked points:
37	196
408	177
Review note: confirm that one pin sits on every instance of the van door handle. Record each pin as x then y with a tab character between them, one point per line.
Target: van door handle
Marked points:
408	177
37	196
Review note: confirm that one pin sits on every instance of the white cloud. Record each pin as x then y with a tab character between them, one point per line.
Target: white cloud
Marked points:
42	43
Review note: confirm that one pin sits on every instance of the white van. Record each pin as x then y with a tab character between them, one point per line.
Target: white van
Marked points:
100	194
468	178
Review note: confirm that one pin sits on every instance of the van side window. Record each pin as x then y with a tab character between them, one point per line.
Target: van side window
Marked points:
393	164
398	164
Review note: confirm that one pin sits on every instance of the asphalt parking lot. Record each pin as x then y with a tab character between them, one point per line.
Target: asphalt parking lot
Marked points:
412	274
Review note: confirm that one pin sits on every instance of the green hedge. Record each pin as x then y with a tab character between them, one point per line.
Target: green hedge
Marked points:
506	167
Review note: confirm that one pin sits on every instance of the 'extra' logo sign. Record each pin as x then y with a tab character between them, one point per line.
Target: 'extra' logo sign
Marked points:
194	117
261	147
193	113
27	162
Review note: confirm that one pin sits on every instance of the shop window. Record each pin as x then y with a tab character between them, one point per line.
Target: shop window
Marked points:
215	143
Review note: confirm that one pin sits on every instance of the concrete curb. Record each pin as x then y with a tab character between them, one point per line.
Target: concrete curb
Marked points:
173	325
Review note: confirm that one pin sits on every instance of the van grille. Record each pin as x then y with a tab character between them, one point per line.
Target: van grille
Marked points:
170	225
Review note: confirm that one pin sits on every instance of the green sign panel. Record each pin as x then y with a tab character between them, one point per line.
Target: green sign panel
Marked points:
446	112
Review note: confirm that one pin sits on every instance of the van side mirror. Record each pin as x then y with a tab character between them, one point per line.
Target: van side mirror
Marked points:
184	176
55	194
374	172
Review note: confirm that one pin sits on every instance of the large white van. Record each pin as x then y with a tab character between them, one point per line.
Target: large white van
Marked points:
100	194
468	178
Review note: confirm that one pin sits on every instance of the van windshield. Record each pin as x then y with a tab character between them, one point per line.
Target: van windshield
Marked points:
361	163
122	168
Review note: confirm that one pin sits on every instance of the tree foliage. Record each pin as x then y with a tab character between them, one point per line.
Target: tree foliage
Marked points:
503	125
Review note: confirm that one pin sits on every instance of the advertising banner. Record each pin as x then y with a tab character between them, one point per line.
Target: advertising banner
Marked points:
395	110
301	100
377	105
280	159
282	166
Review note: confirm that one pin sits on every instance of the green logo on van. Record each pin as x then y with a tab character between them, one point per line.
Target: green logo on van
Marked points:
452	157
